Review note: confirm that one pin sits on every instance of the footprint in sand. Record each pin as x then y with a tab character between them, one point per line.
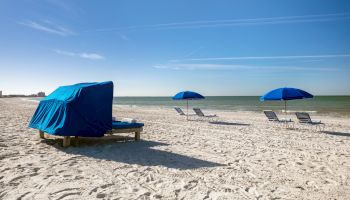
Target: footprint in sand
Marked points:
72	193
280	165
228	190
5	169
190	185
14	180
299	163
69	195
100	195
149	178
100	191
93	190
22	196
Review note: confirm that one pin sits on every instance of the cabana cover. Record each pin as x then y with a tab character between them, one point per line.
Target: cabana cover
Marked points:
83	109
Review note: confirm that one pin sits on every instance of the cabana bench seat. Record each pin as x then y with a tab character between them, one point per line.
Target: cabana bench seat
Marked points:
126	127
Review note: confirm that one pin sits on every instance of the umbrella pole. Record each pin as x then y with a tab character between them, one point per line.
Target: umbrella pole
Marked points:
187	111
285	106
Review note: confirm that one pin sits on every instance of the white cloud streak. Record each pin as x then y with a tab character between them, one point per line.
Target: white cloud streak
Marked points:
48	27
236	22
66	53
90	56
200	66
124	37
264	57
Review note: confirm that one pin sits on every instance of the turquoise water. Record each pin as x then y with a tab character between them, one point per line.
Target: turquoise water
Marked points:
338	105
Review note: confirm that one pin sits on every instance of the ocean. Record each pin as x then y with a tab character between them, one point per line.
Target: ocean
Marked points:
334	105
324	105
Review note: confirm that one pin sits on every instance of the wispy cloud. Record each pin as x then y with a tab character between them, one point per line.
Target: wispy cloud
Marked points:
91	56
236	22
48	27
264	57
124	37
66	53
201	66
190	53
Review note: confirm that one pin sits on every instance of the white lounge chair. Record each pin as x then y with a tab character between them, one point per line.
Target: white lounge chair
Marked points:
272	117
199	113
179	111
304	118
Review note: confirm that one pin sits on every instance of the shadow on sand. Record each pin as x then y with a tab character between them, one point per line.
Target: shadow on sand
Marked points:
337	133
125	150
230	123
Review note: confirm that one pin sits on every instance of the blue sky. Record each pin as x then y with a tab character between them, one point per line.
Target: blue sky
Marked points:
157	47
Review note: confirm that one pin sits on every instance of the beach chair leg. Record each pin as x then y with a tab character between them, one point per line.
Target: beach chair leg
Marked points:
66	141
288	125
321	127
41	134
318	128
312	127
137	135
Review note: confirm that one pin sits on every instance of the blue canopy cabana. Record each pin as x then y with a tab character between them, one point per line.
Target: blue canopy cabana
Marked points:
83	109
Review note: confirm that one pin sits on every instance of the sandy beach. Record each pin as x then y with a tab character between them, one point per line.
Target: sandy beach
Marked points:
241	156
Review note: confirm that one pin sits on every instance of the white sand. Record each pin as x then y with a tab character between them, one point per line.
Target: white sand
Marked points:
246	158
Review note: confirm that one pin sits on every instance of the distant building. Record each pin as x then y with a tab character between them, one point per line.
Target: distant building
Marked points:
0	93
41	94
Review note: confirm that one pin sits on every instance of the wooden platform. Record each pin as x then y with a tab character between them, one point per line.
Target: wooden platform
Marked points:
137	131
66	139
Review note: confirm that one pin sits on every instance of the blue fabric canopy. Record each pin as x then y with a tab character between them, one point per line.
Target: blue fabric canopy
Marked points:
83	109
285	94
187	95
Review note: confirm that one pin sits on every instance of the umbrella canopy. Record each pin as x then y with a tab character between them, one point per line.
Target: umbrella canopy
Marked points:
187	95
285	94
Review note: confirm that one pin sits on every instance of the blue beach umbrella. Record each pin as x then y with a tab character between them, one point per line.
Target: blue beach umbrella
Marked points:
187	95
285	94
